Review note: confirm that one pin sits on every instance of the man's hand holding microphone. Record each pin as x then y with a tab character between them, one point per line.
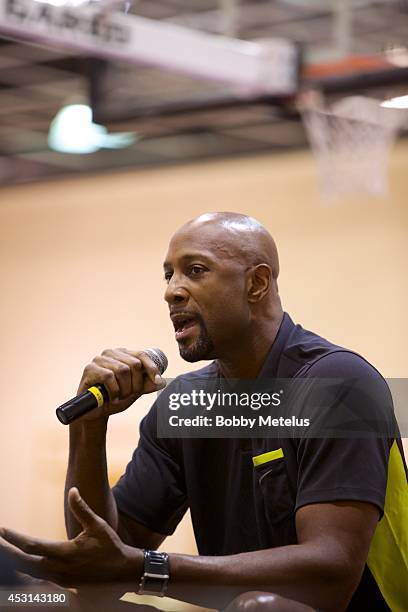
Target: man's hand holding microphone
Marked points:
113	381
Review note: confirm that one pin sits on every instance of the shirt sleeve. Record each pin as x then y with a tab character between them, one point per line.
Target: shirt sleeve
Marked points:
352	464
152	490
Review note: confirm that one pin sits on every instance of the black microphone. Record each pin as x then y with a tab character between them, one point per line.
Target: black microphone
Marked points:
97	395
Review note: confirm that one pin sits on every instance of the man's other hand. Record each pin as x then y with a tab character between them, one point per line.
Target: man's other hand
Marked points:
96	555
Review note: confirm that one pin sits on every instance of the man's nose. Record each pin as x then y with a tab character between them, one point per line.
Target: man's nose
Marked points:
175	293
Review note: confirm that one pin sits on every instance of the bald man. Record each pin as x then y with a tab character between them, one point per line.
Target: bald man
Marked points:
280	524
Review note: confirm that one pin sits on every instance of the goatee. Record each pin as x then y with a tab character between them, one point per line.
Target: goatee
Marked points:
201	349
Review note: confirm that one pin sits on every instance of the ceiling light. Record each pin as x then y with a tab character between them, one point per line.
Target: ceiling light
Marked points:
73	131
397	56
399	102
64	2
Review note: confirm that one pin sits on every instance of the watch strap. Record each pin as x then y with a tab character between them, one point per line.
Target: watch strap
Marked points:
155	573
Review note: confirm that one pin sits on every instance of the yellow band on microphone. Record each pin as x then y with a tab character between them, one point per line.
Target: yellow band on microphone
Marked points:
99	397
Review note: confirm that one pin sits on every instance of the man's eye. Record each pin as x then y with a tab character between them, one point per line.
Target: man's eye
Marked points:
195	270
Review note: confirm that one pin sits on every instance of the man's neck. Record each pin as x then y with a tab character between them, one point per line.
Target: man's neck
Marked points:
247	361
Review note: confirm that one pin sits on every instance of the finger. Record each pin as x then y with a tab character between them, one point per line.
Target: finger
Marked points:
21	561
82	512
36	546
120	370
34	566
150	368
135	367
27	580
94	374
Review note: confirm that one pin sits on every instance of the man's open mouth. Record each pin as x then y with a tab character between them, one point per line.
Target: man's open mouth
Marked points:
184	324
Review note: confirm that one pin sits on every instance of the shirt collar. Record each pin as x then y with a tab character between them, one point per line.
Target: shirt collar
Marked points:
271	363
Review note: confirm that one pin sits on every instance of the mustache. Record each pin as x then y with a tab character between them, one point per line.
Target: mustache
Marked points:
195	315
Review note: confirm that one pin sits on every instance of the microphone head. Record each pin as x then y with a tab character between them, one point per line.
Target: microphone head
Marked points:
158	357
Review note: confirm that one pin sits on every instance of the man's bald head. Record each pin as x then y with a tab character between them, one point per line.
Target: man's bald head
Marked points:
221	270
236	236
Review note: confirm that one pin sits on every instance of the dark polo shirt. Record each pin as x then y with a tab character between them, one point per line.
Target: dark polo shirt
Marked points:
238	507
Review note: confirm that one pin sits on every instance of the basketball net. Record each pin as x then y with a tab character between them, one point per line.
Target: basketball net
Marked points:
351	141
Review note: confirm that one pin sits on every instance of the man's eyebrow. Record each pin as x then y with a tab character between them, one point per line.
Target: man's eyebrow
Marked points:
188	257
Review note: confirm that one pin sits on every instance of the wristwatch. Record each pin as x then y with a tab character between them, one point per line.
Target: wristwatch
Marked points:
156	573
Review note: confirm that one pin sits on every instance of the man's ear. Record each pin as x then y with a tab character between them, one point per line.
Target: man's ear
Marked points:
259	282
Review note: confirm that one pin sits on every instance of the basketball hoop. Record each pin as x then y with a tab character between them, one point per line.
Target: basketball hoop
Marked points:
351	141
